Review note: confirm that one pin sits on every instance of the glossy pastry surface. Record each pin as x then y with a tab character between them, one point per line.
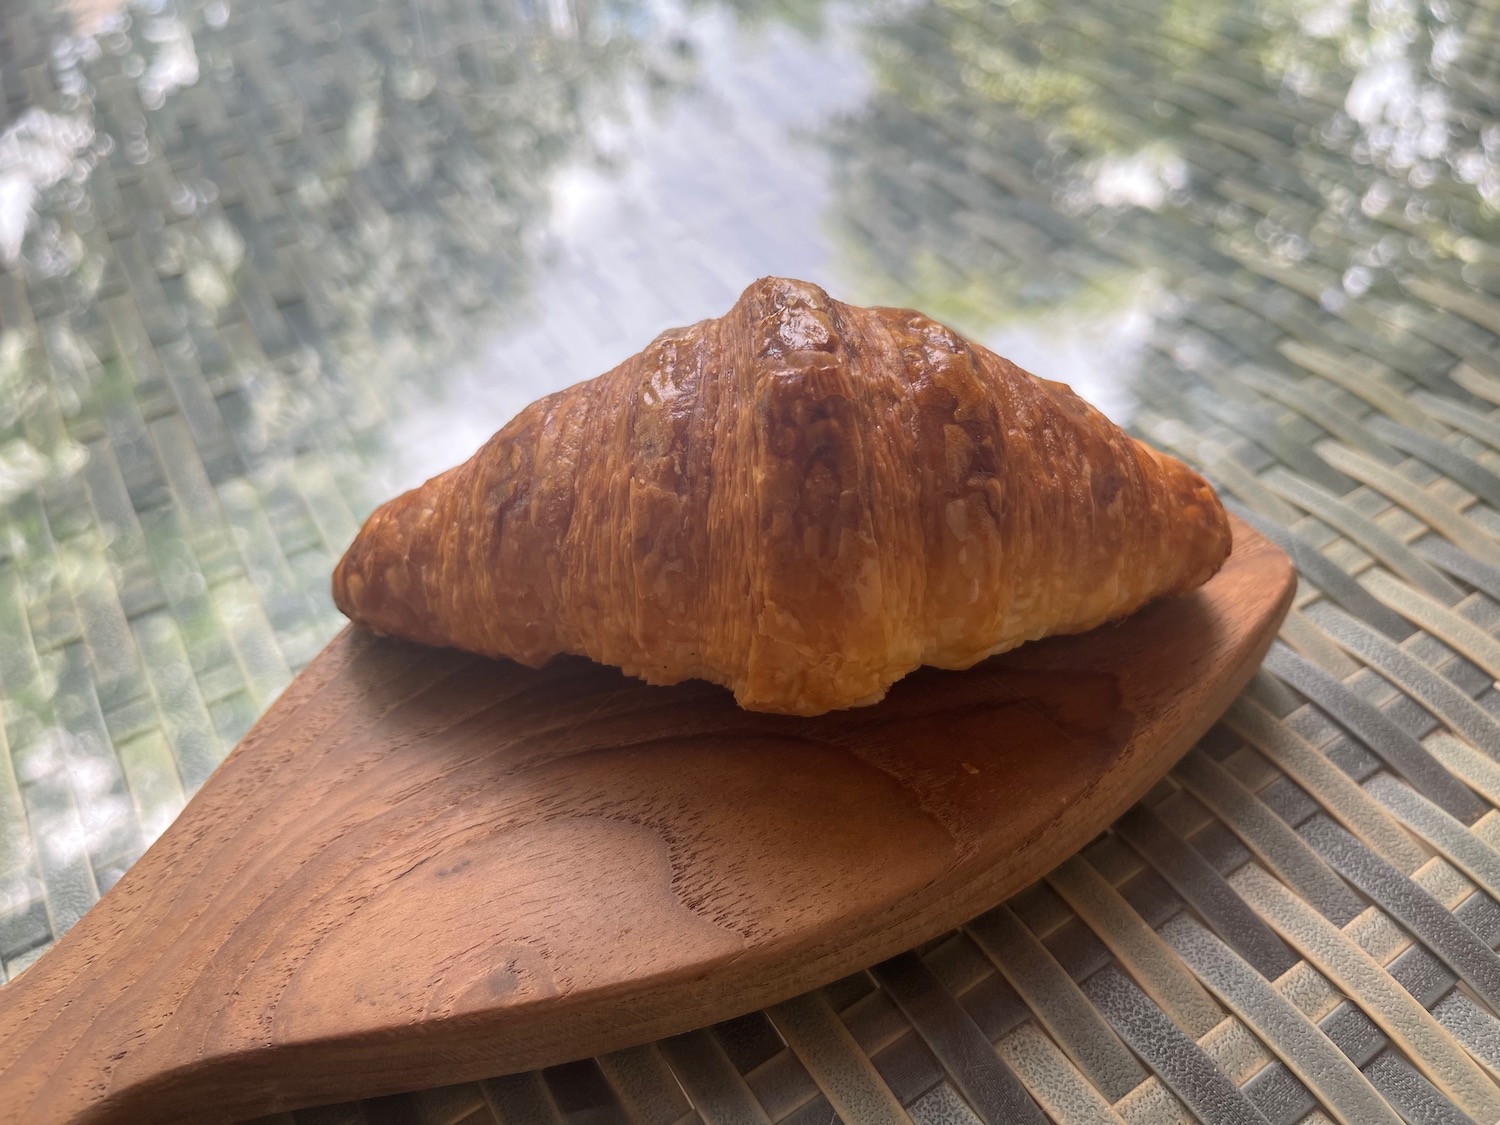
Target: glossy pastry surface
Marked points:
801	500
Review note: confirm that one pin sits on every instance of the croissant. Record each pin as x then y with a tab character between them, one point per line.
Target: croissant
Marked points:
801	500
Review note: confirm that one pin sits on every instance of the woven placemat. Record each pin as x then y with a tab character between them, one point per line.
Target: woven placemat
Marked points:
267	235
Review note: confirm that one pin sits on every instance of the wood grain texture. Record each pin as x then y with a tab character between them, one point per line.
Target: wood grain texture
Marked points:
423	867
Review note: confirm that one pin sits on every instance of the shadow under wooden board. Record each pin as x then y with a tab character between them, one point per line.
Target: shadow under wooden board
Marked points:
421	867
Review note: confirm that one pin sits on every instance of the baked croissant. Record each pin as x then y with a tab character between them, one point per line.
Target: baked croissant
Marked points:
801	500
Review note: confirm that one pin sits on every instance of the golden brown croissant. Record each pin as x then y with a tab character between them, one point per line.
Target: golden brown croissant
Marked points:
801	500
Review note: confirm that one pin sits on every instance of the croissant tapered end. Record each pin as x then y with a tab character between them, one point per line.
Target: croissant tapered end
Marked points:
801	500
389	578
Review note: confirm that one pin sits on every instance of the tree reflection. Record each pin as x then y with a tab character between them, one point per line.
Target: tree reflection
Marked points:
357	184
1027	157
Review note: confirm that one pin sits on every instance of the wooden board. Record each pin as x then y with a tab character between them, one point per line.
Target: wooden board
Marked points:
421	867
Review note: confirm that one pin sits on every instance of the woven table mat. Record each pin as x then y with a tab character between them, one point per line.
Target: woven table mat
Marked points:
266	234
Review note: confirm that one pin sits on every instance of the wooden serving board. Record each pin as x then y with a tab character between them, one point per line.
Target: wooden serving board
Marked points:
421	867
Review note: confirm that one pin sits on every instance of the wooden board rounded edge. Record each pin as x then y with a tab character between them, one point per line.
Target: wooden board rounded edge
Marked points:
191	991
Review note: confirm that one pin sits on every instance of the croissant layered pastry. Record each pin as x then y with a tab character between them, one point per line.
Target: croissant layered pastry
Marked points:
801	500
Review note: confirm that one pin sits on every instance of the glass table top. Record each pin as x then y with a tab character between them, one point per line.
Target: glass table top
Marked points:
264	263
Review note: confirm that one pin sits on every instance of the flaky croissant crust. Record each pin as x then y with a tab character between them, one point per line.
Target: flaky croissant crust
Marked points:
801	500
